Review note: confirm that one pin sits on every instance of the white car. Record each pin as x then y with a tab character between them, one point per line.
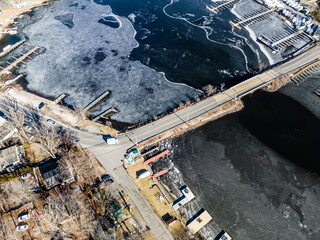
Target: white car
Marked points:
51	121
26	175
24	217
22	227
28	127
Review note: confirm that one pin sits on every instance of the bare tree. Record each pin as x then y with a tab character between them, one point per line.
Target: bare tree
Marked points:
80	164
209	89
15	193
15	117
48	138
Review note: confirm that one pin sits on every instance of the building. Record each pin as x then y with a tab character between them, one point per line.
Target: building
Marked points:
198	221
54	175
185	198
10	158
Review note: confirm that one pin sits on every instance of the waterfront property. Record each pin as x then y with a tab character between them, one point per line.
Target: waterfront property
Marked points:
185	198
198	221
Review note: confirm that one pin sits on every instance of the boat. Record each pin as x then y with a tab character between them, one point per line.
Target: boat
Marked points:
268	43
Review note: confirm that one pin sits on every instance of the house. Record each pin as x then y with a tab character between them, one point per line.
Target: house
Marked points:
9	158
198	221
185	198
53	174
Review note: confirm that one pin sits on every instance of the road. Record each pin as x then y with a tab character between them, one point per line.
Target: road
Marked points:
111	156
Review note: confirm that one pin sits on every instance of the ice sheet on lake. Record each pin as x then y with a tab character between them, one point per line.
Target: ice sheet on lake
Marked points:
90	57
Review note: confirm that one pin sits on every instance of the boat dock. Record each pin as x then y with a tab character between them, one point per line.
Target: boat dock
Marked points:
252	17
60	98
289	37
218	6
305	73
18	61
156	157
96	101
105	113
11	48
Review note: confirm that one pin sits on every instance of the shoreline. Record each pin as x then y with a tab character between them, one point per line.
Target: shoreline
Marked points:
9	15
254	37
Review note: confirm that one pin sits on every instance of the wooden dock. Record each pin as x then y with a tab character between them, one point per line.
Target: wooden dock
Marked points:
12	48
96	101
18	61
252	18
217	6
306	72
105	113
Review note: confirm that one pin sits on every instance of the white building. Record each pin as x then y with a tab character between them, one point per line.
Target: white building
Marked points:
185	198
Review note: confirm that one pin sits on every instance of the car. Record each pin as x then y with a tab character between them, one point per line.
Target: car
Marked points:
26	175
24	217
105	177
51	121
28	119
28	127
41	105
109	181
22	227
129	159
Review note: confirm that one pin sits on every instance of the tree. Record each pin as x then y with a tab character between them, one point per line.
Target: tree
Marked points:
15	117
48	138
316	14
209	89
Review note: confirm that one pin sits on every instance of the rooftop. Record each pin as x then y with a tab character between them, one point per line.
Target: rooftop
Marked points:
54	175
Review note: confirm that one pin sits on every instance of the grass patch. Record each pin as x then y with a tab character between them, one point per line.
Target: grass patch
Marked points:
10	176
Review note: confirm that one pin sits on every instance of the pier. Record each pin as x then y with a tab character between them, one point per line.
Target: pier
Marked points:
252	17
105	113
305	73
217	6
152	159
96	101
286	40
12	48
18	61
60	98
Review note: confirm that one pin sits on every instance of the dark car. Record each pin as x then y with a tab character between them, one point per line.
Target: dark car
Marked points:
41	105
105	177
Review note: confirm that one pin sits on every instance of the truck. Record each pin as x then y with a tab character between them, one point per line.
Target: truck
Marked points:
110	140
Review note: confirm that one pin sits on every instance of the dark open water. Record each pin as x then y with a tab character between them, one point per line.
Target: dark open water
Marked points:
255	171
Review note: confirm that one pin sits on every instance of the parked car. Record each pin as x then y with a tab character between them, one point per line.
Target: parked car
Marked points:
27	119
41	105
109	181
51	121
28	127
24	217
22	227
26	175
105	177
